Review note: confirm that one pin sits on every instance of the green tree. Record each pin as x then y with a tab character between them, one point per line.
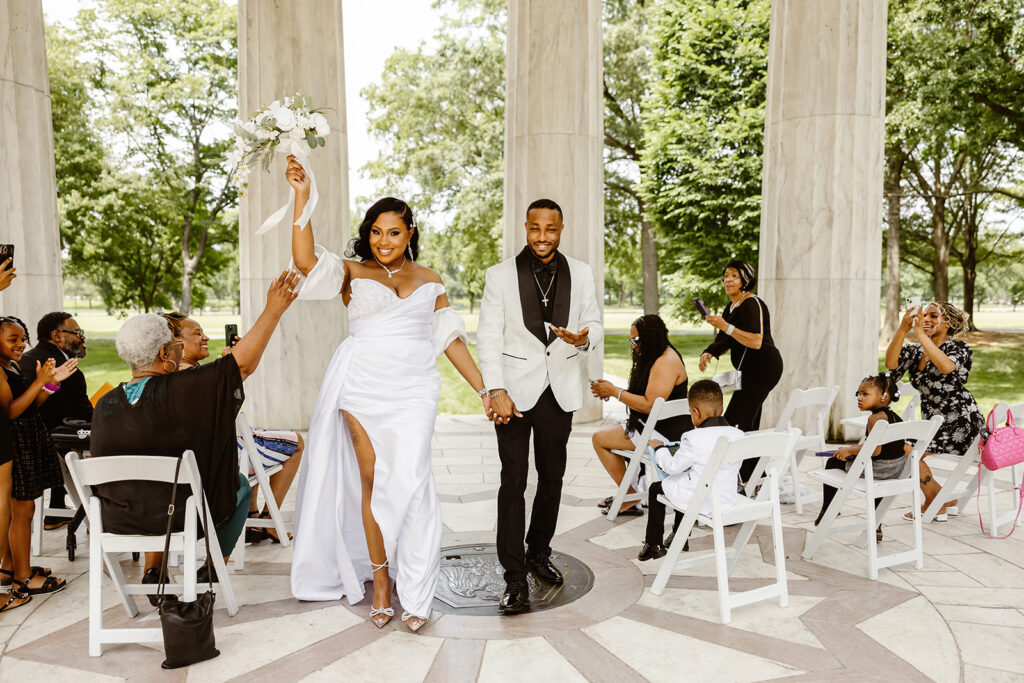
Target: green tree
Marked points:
703	138
169	80
441	115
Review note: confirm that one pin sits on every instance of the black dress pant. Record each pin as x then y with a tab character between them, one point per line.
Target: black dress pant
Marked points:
744	409
550	426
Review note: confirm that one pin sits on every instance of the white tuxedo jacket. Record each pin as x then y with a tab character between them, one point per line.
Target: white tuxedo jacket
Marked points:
515	348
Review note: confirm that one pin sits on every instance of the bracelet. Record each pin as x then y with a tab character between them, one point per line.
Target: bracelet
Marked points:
482	392
51	388
619	396
492	394
729	330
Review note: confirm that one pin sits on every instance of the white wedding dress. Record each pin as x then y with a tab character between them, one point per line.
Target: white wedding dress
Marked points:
384	375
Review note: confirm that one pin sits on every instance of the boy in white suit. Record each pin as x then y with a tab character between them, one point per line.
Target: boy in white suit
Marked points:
686	467
533	367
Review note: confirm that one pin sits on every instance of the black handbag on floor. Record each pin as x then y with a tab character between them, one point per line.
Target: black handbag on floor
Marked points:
187	626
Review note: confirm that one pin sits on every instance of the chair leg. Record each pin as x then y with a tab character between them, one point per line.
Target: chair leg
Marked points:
278	518
620	493
918	533
669	562
238	552
120	583
993	513
95	586
37	526
722	571
794	470
869	503
778	542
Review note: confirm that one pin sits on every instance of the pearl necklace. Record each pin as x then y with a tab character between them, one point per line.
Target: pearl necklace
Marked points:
390	272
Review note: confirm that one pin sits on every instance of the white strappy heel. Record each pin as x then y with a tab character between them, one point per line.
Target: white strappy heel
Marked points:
412	621
380	616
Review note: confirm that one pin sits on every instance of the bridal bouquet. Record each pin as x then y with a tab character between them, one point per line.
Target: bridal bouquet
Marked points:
289	126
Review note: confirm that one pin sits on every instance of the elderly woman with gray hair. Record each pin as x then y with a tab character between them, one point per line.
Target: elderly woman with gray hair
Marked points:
164	412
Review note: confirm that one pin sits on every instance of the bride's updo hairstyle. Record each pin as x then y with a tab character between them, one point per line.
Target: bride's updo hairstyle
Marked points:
359	247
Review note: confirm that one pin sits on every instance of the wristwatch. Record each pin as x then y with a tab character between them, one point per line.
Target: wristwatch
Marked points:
492	394
482	392
585	347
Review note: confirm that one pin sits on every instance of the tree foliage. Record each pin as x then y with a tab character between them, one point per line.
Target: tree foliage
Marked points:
704	134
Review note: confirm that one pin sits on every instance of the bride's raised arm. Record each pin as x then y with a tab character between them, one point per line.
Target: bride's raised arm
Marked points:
303	253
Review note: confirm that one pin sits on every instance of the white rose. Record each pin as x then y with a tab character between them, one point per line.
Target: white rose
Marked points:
321	125
295	133
249	127
264	134
285	119
302	121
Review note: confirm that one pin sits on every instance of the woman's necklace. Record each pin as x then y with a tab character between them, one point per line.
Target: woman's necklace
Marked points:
390	272
733	305
544	292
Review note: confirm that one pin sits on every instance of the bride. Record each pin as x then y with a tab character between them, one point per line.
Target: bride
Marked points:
366	505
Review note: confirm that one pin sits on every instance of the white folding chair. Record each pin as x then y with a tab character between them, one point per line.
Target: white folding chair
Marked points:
965	472
995	519
860	481
859	424
249	457
661	410
104	546
774	449
42	510
816	402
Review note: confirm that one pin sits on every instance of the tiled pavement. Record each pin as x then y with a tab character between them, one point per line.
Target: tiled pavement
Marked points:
960	618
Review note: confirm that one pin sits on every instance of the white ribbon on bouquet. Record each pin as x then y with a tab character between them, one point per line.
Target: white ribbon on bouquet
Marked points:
300	149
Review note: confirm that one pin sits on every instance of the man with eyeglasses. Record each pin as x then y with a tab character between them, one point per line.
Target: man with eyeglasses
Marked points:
58	336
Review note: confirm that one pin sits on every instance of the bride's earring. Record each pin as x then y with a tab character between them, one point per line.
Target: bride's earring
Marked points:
408	251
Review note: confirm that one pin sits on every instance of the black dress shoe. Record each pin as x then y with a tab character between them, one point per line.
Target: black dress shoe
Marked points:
544	570
671	537
206	574
651	552
515	599
153	576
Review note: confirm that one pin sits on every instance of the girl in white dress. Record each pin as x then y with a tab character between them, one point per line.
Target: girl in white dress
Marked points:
367	506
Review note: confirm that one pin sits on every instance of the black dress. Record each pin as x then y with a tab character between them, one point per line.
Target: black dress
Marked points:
35	466
671	428
192	410
945	395
761	368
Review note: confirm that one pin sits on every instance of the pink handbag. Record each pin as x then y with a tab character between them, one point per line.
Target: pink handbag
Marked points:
1003	447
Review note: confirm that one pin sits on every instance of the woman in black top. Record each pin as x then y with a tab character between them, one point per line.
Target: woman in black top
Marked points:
875	394
938	365
745	330
657	371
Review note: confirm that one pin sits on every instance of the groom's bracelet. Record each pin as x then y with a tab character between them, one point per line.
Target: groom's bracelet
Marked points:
492	394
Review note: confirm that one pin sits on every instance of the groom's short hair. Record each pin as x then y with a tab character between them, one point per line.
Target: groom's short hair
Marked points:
544	204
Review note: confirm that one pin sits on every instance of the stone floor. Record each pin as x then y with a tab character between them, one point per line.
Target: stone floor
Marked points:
956	619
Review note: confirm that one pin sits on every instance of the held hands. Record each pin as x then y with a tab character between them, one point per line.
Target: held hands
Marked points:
602	389
503	409
283	291
575	338
297	178
703	361
716	321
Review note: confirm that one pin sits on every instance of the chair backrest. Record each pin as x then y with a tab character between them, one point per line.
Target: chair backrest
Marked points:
818	403
249	451
89	472
907	389
660	410
919	431
776	445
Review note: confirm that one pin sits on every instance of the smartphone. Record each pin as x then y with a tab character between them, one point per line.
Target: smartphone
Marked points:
913	302
7	252
230	335
701	307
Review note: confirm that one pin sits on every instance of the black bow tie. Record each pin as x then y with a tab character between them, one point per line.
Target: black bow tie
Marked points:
551	267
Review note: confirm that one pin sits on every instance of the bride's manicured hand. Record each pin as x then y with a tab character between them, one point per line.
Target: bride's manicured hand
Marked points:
296	177
487	405
575	338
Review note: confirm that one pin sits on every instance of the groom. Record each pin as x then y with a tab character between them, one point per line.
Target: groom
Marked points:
533	366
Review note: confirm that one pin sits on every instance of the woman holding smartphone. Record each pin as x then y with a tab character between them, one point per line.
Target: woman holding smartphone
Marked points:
744	329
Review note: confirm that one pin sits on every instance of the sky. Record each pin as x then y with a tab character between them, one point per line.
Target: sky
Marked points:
367	46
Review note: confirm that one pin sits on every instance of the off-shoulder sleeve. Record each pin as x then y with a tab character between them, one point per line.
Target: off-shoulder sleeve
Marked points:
326	278
448	327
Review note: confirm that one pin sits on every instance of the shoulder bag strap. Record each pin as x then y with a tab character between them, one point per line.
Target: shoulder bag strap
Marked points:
167	535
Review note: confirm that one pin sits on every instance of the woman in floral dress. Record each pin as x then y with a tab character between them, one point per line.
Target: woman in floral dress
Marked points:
939	365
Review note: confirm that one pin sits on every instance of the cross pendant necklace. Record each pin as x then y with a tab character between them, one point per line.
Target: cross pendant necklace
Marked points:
544	292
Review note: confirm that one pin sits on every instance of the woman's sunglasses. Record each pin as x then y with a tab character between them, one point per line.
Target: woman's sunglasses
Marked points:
634	341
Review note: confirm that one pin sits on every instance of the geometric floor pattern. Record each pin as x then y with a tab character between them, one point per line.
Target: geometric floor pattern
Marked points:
961	618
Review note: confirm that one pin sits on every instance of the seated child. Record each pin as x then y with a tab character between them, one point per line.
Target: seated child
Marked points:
874	394
686	467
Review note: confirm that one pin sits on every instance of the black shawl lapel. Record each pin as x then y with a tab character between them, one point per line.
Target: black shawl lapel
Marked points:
532	317
563	296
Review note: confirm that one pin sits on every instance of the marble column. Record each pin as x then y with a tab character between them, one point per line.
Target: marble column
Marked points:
286	47
554	133
821	216
28	190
